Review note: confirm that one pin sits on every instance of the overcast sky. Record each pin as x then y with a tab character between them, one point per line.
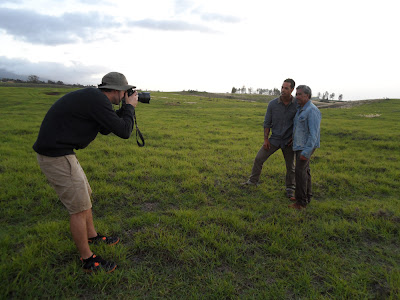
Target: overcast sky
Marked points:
348	47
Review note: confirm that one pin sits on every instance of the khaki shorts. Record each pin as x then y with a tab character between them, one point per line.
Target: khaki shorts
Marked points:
68	179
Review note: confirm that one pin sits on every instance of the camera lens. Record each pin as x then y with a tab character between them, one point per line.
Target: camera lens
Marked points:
144	97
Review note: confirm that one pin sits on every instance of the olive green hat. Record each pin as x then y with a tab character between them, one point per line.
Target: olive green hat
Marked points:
115	81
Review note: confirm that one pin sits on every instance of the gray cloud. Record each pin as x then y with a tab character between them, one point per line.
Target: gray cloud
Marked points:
12	2
168	25
219	18
77	73
36	28
69	28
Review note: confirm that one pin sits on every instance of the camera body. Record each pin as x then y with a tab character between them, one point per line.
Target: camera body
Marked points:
143	97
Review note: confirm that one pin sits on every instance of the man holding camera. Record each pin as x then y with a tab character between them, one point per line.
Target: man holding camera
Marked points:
306	138
71	123
279	120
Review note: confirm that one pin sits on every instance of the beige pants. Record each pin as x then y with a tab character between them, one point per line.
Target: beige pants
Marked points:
68	179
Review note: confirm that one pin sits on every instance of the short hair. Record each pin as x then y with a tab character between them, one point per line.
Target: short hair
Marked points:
291	81
306	90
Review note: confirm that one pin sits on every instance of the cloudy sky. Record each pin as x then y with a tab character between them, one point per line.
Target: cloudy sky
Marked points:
348	47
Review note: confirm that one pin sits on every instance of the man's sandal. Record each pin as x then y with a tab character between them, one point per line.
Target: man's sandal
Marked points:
109	240
95	264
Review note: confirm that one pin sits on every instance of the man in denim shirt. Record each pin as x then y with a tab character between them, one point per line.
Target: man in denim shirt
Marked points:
306	138
279	119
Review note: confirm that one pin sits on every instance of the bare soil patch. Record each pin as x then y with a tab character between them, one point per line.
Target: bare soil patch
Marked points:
343	104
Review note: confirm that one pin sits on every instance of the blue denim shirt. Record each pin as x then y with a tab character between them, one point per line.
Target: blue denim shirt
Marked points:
306	129
279	118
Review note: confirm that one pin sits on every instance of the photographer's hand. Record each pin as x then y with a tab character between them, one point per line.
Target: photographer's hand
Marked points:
133	99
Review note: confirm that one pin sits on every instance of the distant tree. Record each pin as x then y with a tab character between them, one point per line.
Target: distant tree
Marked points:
332	96
325	96
33	78
340	97
60	82
261	91
51	82
319	95
234	90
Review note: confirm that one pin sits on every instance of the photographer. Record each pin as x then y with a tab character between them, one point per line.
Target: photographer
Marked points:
71	123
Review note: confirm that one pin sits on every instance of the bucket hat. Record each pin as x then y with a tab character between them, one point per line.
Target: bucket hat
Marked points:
115	81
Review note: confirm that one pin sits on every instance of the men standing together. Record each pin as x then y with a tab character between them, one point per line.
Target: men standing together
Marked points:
295	125
291	124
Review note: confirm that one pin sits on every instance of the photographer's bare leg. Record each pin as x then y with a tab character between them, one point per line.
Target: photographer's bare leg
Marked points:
80	223
91	231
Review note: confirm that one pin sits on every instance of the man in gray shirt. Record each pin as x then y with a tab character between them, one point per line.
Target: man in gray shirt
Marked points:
278	120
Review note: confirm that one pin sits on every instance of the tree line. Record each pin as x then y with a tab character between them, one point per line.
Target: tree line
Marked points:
260	91
35	79
326	96
276	92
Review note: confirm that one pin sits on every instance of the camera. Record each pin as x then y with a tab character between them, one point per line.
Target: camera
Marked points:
143	97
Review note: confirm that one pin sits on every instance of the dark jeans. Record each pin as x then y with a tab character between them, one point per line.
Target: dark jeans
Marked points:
263	155
303	192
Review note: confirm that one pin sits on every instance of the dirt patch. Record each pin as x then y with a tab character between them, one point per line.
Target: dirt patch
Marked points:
150	206
370	116
343	104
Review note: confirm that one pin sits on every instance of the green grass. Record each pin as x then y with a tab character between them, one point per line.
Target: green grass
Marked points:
188	229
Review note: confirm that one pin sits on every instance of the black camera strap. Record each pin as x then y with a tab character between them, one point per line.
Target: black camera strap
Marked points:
138	133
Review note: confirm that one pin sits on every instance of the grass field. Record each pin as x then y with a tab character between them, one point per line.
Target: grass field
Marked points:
188	229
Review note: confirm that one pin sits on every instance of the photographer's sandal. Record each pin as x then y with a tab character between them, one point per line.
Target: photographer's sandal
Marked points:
95	264
109	240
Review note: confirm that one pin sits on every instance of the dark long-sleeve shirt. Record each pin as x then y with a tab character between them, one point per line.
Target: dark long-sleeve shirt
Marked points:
279	117
75	119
